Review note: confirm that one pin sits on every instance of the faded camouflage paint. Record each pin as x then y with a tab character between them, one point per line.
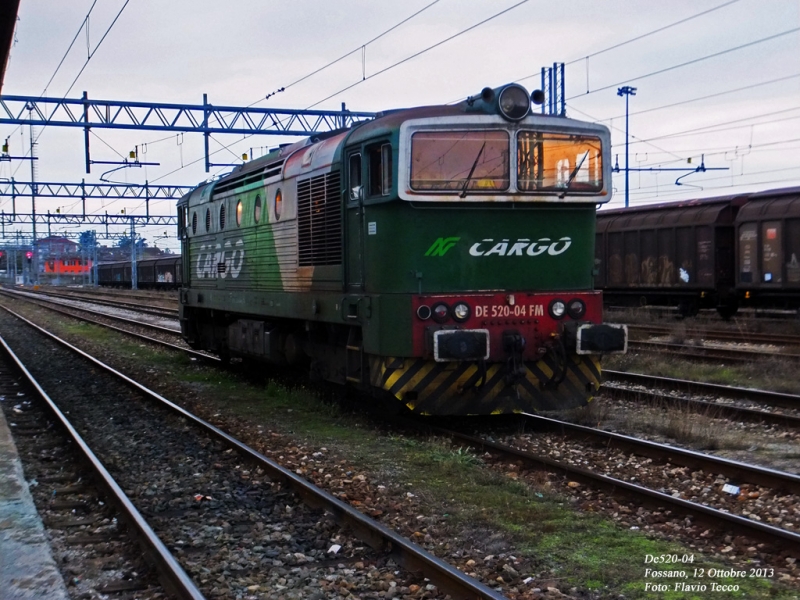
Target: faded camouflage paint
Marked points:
235	257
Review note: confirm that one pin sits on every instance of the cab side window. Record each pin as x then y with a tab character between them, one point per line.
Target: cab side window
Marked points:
380	169
354	176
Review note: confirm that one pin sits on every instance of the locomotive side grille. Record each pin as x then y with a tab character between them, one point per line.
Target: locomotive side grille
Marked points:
235	183
319	220
273	169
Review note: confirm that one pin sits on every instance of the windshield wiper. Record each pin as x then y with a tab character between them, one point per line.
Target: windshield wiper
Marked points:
471	171
573	174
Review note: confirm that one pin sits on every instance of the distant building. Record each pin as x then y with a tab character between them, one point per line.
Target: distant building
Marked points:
56	245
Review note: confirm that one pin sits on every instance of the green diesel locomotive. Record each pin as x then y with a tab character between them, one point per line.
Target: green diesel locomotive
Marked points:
441	256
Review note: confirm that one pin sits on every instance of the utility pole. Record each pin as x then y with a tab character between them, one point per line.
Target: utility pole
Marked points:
134	274
626	91
33	276
94	260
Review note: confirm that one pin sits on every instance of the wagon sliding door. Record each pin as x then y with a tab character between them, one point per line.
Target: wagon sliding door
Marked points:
771	252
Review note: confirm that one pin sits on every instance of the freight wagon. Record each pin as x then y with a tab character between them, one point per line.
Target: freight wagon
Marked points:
722	253
152	273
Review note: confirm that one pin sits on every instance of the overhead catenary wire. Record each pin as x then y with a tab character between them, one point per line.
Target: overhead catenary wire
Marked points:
63	58
228	147
421	52
637	38
667	189
360	48
92	53
655	31
688	62
649	141
84	23
702	130
660	188
696	131
463	31
611	126
745	149
706	129
335	61
708	96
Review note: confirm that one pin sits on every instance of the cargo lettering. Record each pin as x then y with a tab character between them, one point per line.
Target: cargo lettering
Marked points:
506	310
214	261
520	247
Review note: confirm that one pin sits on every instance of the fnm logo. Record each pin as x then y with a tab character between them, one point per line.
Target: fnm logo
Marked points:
441	246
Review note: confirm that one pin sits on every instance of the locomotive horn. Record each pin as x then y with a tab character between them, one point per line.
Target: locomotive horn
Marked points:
487	94
537	96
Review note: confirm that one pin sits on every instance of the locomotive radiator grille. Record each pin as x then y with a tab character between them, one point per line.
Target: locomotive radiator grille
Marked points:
319	220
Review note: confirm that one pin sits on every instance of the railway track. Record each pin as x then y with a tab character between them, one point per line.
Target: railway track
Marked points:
704	333
204	485
164	312
73	490
759	315
759	405
708	353
67	309
776	399
168	298
653	501
586	469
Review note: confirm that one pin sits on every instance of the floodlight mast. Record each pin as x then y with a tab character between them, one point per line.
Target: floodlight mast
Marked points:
626	91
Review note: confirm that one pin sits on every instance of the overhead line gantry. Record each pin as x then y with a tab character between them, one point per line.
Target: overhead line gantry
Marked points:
202	118
105	191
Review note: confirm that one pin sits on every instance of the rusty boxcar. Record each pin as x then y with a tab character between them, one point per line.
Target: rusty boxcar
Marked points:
768	249
675	254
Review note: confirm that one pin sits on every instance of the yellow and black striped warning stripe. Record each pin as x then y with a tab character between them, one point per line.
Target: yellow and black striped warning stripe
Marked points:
466	388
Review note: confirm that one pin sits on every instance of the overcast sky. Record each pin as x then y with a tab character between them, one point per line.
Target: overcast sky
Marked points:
740	108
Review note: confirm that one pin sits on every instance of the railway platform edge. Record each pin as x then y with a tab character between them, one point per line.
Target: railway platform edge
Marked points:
27	567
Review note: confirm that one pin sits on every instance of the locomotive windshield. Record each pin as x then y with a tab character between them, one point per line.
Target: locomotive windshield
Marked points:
477	162
444	160
554	162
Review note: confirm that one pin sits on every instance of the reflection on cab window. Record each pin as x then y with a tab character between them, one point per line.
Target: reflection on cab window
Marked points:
380	170
556	162
460	161
354	168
